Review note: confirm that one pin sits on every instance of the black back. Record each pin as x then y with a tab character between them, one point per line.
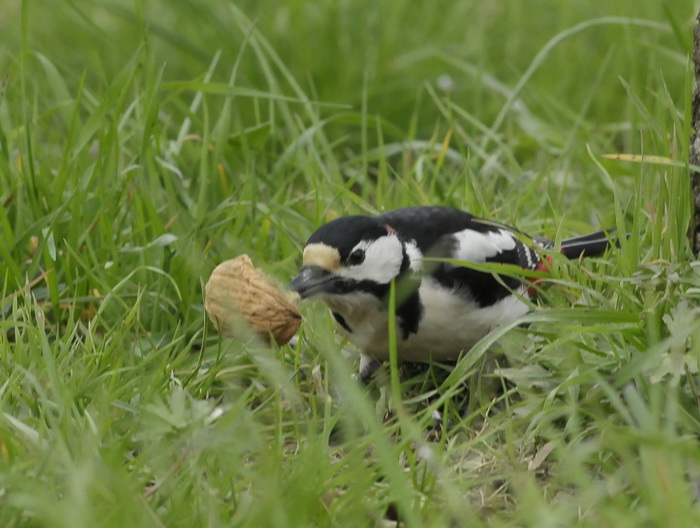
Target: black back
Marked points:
427	224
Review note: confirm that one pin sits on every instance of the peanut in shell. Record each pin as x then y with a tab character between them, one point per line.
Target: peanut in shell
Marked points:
239	297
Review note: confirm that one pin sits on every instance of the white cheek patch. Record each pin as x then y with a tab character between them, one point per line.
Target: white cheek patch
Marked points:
382	263
476	247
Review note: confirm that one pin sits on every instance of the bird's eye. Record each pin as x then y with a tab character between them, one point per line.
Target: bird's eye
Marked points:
356	257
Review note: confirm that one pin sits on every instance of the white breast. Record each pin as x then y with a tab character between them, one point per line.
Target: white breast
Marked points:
450	324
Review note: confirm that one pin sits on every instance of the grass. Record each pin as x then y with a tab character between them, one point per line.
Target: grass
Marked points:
141	145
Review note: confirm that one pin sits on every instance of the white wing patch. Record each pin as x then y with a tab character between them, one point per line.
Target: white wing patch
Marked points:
415	256
382	263
473	246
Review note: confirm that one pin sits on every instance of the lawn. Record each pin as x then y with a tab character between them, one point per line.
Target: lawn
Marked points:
143	143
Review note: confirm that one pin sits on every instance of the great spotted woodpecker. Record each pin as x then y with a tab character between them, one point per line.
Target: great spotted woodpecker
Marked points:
442	308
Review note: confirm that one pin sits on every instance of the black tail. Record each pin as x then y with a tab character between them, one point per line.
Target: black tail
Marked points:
589	245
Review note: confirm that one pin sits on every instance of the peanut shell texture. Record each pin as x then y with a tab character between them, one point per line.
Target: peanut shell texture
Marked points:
239	298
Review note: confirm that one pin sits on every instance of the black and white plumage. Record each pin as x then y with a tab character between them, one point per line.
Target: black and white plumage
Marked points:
442	309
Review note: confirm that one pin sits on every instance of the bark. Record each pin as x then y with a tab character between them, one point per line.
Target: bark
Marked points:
695	140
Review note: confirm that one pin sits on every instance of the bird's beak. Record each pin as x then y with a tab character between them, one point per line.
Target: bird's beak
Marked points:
311	281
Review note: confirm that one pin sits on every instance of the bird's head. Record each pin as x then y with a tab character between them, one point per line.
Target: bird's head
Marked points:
349	255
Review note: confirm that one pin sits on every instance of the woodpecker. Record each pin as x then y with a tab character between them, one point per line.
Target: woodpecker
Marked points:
442	308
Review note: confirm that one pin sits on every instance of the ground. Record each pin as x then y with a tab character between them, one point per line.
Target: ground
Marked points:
143	144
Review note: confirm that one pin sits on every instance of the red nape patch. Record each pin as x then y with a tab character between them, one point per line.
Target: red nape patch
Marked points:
390	230
543	265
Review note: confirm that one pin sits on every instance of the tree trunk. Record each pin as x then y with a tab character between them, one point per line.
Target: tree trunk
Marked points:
695	140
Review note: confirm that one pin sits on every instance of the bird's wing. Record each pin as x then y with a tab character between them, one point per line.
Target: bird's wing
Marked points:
445	233
483	247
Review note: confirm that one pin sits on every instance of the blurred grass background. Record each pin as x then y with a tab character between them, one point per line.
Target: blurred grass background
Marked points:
143	143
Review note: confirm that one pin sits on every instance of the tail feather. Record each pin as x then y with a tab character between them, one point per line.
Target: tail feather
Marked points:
589	245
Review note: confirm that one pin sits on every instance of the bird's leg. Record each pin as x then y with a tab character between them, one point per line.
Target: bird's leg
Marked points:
368	367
